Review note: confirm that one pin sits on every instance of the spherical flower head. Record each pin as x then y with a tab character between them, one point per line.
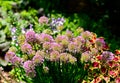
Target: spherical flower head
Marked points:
69	34
42	53
38	59
72	59
13	49
63	40
38	38
72	47
87	35
46	45
21	39
56	47
94	51
47	31
29	68
60	38
64	57
46	38
79	40
107	56
9	55
60	28
79	30
43	20
85	57
28	65
46	69
100	43
88	44
16	61
26	48
54	56
30	36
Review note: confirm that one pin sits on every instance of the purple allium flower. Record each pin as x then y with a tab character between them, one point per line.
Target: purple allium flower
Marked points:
16	60
29	68
41	53
46	45
87	35
38	38
88	44
13	49
54	56
85	57
21	39
56	47
79	39
72	59
94	51
100	43
64	57
107	56
43	20
26	48
63	40
9	55
72	47
69	34
30	36
46	69
46	38
60	38
38	59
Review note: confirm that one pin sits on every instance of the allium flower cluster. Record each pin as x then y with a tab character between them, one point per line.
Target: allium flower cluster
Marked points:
86	52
